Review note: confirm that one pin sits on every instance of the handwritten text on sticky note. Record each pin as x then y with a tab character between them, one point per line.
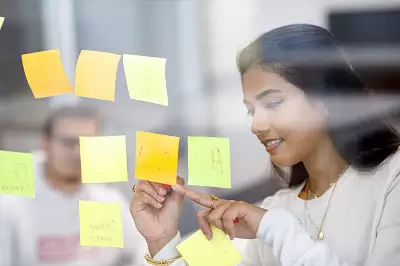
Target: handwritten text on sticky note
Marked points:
45	74
145	78
197	250
209	162
156	157
100	224
103	159
96	74
17	174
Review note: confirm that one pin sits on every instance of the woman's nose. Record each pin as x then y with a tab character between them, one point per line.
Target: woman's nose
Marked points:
259	123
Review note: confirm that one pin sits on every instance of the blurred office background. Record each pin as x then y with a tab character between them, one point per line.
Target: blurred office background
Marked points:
200	39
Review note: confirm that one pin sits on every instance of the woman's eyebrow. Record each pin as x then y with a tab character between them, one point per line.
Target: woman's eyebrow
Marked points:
263	94
266	93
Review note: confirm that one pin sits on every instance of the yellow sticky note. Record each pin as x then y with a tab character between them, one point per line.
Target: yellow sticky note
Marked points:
219	251
156	157
96	74
1	22
209	162
100	224
17	174
45	74
145	78
103	159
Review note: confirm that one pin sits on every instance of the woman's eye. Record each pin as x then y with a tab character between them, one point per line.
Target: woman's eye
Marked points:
274	104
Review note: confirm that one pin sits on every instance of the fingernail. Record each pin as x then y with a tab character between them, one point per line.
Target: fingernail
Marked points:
231	237
161	198
167	187
236	220
208	236
159	205
163	191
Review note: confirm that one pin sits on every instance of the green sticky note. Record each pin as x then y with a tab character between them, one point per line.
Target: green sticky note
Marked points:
100	224
209	162
17	174
103	159
145	78
219	251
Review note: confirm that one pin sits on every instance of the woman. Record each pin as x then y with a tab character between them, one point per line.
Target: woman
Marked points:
342	206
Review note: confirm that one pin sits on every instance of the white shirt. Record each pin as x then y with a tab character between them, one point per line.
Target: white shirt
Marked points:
362	226
45	230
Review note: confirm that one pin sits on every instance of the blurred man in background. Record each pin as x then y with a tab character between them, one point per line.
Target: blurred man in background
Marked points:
45	230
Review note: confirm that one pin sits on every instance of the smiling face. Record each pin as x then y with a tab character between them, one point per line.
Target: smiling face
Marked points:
284	120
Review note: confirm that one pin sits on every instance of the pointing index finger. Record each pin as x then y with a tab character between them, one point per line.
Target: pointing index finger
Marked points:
200	198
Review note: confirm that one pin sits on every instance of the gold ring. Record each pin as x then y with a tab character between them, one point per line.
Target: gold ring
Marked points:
213	198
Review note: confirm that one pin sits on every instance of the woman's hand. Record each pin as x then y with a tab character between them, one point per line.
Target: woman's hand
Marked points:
156	213
224	214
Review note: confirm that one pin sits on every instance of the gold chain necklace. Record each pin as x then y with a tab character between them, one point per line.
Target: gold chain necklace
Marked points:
316	195
320	234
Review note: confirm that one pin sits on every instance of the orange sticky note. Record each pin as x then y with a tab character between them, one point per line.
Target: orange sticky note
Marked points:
96	74
156	157
45	74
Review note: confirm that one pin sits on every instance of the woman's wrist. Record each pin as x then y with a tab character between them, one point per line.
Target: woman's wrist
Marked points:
155	246
258	218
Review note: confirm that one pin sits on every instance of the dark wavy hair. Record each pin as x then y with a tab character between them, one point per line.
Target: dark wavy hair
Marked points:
310	58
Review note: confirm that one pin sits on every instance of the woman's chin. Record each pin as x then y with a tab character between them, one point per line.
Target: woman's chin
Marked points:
282	161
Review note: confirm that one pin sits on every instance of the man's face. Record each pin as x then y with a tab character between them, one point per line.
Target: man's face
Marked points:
62	147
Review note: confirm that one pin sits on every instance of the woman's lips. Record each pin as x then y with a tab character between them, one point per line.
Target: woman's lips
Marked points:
272	144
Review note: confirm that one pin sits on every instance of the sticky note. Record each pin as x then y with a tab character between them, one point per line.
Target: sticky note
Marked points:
1	22
209	162
145	78
103	159
96	74
17	174
156	157
45	73
100	224
219	251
